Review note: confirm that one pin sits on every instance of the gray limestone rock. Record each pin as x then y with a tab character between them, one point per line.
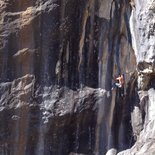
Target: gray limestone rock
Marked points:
58	64
143	41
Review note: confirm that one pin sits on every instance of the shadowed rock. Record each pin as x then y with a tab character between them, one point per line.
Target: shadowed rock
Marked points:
58	62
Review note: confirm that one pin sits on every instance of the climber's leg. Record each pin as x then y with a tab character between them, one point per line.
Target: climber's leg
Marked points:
122	91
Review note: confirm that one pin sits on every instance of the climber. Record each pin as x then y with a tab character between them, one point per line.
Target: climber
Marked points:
119	84
120	79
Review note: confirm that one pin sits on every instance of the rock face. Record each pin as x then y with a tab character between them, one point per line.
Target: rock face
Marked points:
57	63
142	26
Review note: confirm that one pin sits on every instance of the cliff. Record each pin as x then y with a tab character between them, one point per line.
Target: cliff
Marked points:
57	63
